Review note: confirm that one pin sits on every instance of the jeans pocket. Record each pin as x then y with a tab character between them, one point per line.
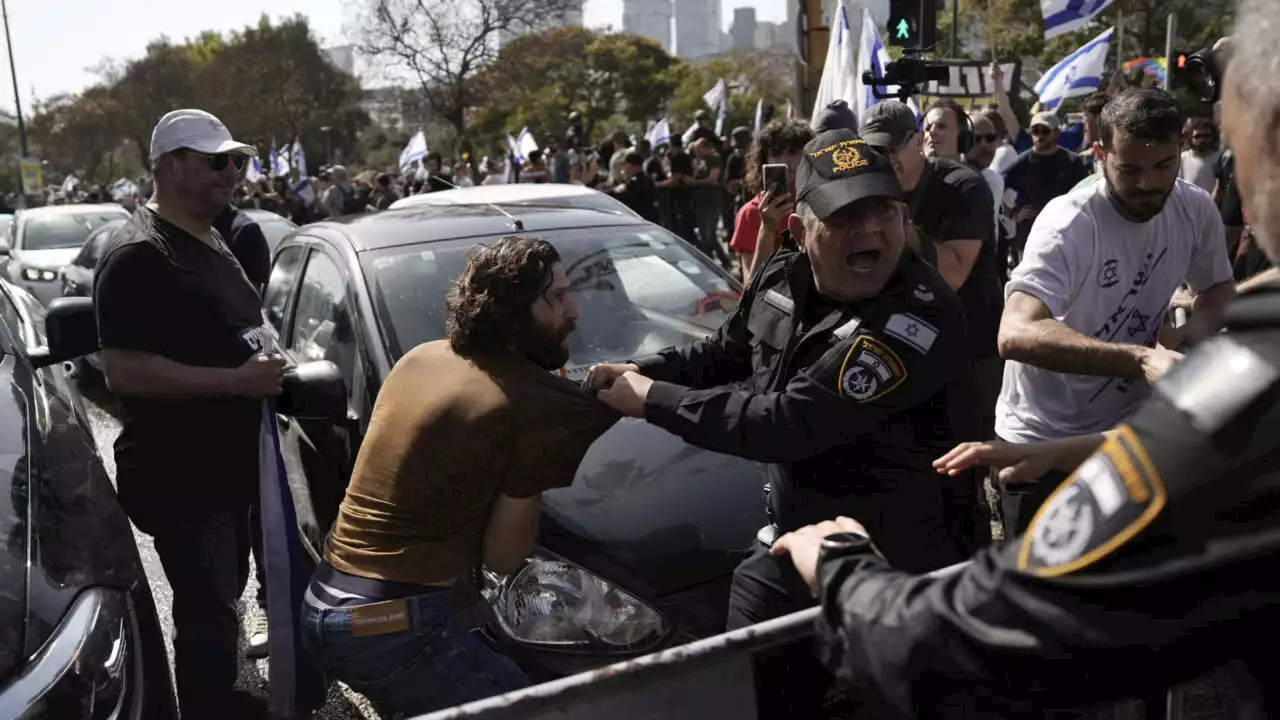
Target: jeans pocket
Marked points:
373	660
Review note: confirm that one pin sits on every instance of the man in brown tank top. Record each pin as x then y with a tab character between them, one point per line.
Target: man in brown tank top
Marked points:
466	433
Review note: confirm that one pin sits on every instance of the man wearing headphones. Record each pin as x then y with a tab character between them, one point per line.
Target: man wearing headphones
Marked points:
953	208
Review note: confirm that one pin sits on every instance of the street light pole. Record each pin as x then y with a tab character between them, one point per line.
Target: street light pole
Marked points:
955	28
13	72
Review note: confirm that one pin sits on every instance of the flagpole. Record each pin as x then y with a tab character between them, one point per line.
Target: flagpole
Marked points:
1119	39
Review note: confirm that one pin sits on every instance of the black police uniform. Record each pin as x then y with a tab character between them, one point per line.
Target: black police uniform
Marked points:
1154	562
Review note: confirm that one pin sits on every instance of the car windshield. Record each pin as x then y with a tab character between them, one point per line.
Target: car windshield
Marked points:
638	290
61	231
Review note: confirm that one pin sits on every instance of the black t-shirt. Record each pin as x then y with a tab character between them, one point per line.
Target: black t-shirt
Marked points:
1037	179
682	164
710	194
641	195
247	243
1229	205
954	203
163	291
653	168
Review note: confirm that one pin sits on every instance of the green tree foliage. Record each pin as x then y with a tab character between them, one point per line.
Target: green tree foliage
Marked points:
540	78
749	76
267	80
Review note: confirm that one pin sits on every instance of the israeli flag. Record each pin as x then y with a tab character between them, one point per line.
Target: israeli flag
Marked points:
1079	73
253	171
279	160
660	133
1064	16
839	81
299	158
122	189
70	184
415	150
297	685
759	115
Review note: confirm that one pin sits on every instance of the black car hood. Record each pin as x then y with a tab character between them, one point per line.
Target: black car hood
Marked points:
654	514
62	527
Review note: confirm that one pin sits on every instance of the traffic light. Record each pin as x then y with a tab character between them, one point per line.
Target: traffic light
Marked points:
1176	67
912	23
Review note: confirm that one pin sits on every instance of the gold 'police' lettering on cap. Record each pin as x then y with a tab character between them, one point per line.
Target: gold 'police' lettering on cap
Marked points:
831	148
847	158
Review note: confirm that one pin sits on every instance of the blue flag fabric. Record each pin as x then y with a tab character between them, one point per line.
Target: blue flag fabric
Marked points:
297	687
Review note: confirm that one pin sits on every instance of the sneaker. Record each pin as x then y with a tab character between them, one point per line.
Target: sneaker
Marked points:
258	646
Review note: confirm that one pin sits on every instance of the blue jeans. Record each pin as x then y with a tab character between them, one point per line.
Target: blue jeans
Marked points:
439	662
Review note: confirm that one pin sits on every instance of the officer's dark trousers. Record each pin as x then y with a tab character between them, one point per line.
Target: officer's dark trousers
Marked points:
1020	502
790	683
206	560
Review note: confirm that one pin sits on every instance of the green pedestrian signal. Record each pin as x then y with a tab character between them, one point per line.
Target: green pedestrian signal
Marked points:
912	23
904	29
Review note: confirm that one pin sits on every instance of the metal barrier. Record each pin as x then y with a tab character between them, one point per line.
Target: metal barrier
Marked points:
708	678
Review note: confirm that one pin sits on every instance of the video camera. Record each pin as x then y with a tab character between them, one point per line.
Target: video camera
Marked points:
1203	74
909	73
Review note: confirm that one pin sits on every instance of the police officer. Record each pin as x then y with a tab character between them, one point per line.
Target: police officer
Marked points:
1153	562
844	367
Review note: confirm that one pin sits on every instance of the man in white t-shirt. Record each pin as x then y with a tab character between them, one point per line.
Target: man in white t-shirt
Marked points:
1200	161
1082	326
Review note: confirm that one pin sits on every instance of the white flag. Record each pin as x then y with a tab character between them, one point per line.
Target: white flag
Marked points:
415	150
838	79
759	115
70	184
527	144
253	171
660	133
1079	73
715	97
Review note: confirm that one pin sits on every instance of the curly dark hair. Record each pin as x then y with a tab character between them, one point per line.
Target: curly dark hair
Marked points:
779	136
490	302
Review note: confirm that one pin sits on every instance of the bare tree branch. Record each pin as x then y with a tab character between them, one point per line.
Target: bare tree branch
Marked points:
444	43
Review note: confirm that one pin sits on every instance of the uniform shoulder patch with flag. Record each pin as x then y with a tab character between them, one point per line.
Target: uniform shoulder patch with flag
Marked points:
870	370
912	330
1110	499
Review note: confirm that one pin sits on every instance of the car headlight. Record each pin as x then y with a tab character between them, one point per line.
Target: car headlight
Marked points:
83	670
39	274
553	602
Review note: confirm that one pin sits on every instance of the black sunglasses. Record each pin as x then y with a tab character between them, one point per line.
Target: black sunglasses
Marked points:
985	137
219	161
1041	130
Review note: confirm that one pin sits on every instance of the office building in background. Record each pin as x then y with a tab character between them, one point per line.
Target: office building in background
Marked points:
698	28
649	18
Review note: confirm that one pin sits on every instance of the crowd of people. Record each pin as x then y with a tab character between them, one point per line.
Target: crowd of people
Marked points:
925	298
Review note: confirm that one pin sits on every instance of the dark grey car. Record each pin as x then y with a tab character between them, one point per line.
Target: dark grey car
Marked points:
639	552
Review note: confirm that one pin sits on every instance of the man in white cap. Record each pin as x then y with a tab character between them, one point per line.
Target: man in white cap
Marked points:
1044	172
187	352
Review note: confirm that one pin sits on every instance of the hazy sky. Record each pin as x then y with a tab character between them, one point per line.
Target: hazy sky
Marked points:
56	42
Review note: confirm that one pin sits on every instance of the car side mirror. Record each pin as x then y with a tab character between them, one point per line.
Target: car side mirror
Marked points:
314	391
71	329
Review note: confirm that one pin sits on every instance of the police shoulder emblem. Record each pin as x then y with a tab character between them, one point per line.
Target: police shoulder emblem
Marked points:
1109	499
870	370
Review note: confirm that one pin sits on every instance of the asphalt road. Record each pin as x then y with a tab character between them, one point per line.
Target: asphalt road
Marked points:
342	704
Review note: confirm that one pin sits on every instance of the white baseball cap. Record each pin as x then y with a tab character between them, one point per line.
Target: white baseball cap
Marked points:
194	130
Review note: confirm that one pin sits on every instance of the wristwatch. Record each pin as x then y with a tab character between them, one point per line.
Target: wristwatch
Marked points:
844	544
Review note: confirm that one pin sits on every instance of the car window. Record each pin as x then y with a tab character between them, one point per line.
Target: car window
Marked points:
62	231
96	246
280	285
638	290
322	327
11	318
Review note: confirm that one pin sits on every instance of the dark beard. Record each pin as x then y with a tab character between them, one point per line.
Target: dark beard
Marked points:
543	349
1127	211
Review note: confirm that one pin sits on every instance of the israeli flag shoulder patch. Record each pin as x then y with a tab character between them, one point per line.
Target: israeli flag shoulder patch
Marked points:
911	330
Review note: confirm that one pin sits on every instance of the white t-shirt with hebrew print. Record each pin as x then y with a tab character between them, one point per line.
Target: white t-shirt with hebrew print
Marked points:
1110	279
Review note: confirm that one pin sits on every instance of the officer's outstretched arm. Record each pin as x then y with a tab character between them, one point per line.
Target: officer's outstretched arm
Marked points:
1153	562
845	395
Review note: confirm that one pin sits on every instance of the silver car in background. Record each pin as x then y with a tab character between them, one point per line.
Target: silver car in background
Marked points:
41	241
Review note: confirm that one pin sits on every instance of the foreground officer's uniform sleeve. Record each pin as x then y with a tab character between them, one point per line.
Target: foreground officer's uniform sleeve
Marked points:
1153	562
844	395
